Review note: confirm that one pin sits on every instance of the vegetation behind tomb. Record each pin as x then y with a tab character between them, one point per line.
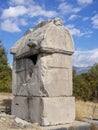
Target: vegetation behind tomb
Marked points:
85	86
5	71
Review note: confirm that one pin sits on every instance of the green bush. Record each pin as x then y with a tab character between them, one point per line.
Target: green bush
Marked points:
85	86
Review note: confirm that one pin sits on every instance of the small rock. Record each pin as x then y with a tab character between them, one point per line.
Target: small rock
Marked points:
21	123
2	118
2	114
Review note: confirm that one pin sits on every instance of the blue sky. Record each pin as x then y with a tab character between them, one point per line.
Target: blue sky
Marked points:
79	16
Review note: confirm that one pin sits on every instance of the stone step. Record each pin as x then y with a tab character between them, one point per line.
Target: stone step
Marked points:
76	125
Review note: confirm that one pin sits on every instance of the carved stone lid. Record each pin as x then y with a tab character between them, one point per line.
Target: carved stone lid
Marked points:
48	37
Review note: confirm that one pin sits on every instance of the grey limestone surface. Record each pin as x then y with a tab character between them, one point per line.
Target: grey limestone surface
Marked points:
42	75
51	76
45	111
76	125
47	37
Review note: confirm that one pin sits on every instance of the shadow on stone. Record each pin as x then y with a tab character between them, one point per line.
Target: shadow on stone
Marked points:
6	103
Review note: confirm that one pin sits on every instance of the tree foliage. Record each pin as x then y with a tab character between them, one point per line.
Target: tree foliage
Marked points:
85	86
5	71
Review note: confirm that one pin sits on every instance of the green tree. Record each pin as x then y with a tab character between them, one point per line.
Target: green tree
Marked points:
93	73
5	71
81	88
85	86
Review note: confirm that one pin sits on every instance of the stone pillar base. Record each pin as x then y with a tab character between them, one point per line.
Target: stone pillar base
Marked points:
45	111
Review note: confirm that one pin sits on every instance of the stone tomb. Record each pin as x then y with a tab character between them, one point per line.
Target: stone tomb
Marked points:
42	75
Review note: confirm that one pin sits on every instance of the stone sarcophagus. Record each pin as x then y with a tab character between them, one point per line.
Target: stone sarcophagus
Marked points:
42	75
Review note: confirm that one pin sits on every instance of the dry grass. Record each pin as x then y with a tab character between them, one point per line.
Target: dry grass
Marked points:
86	110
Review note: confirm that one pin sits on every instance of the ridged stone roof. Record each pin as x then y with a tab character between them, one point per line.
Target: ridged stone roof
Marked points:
48	36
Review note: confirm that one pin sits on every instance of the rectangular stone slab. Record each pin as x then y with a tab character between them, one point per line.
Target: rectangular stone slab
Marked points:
56	60
20	107
57	82
53	82
45	111
56	74
52	76
76	125
56	110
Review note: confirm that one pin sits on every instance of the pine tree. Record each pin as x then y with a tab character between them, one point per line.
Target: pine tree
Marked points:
5	71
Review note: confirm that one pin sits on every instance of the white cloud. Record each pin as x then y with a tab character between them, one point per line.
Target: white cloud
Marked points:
22	22
20	2
36	10
70	26
72	17
95	21
19	21
85	58
19	11
68	8
85	18
49	14
17	2
30	11
83	2
77	32
73	30
14	12
10	26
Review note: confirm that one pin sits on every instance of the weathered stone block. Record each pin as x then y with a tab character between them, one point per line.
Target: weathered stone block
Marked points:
20	107
58	39
45	111
50	76
45	37
56	82
25	78
52	111
56	60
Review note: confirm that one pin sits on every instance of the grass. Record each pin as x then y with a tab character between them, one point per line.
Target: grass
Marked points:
86	110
